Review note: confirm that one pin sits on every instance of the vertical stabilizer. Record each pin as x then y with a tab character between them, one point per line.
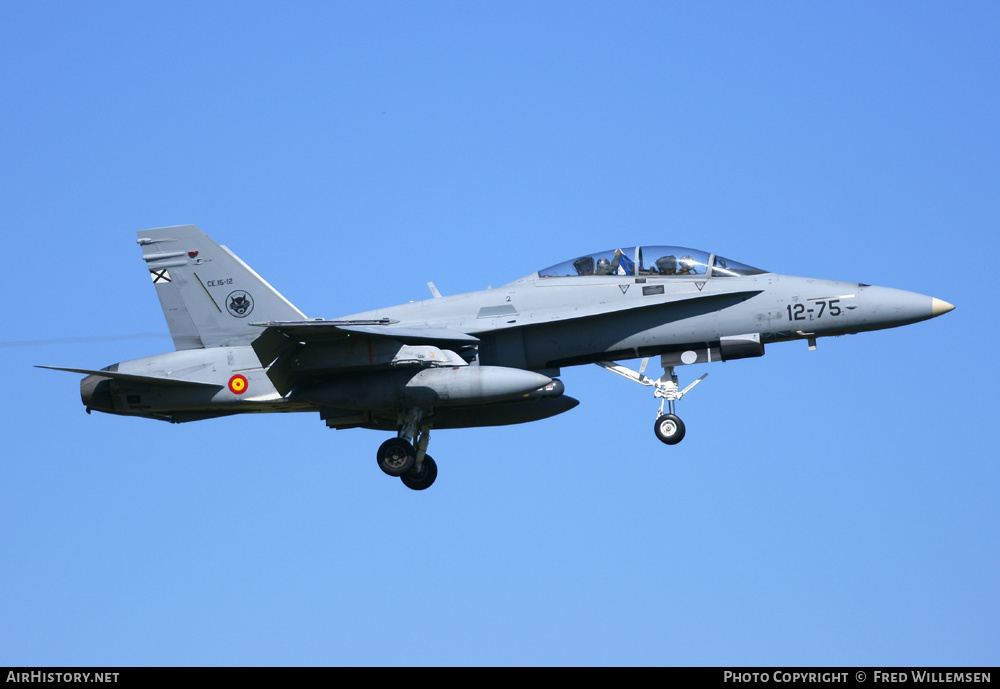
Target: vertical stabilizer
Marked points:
209	296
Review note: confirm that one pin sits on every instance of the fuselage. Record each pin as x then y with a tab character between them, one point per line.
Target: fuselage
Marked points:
696	310
541	323
485	358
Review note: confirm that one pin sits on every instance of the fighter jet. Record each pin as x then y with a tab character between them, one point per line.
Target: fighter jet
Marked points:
485	358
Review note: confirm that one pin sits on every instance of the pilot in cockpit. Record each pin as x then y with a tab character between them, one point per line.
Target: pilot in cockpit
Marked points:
667	265
621	265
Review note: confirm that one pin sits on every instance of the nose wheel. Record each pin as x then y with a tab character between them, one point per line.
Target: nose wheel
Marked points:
669	429
668	426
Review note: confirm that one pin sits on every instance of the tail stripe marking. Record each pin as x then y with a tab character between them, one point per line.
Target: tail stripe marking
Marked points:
207	293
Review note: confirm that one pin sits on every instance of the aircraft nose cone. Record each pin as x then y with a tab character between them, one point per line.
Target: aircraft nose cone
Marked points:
886	307
939	306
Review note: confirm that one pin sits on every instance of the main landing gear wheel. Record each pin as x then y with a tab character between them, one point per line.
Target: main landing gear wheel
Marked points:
422	478
669	429
396	457
406	455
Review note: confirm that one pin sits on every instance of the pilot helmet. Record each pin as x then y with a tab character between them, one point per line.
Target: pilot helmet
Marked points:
603	265
687	262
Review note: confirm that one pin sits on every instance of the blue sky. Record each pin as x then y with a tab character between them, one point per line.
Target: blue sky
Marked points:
830	507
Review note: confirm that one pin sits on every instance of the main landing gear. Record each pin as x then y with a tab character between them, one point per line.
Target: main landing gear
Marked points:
668	427
402	457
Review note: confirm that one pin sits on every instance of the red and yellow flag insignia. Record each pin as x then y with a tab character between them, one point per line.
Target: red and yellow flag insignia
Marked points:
238	384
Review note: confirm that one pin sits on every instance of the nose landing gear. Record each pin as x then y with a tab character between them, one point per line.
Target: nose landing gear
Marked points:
668	427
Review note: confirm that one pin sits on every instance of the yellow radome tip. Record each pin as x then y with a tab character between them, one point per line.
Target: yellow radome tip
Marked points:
939	306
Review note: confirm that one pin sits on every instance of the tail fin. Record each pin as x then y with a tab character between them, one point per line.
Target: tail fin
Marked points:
209	296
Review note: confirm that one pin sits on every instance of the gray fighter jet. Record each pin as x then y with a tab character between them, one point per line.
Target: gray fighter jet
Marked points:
484	358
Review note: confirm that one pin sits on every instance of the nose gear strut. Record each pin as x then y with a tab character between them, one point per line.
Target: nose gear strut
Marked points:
668	427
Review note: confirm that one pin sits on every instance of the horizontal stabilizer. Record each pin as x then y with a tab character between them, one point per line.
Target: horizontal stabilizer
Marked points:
132	377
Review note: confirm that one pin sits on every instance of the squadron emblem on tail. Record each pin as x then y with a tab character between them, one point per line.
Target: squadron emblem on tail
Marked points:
239	303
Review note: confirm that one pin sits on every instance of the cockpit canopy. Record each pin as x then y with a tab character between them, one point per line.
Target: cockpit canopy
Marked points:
650	261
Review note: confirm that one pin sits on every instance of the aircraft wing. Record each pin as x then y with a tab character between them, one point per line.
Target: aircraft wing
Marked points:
316	330
298	351
276	334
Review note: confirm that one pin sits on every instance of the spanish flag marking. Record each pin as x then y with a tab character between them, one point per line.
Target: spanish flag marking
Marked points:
238	384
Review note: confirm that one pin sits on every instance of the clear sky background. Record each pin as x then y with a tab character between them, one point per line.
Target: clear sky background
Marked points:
830	507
